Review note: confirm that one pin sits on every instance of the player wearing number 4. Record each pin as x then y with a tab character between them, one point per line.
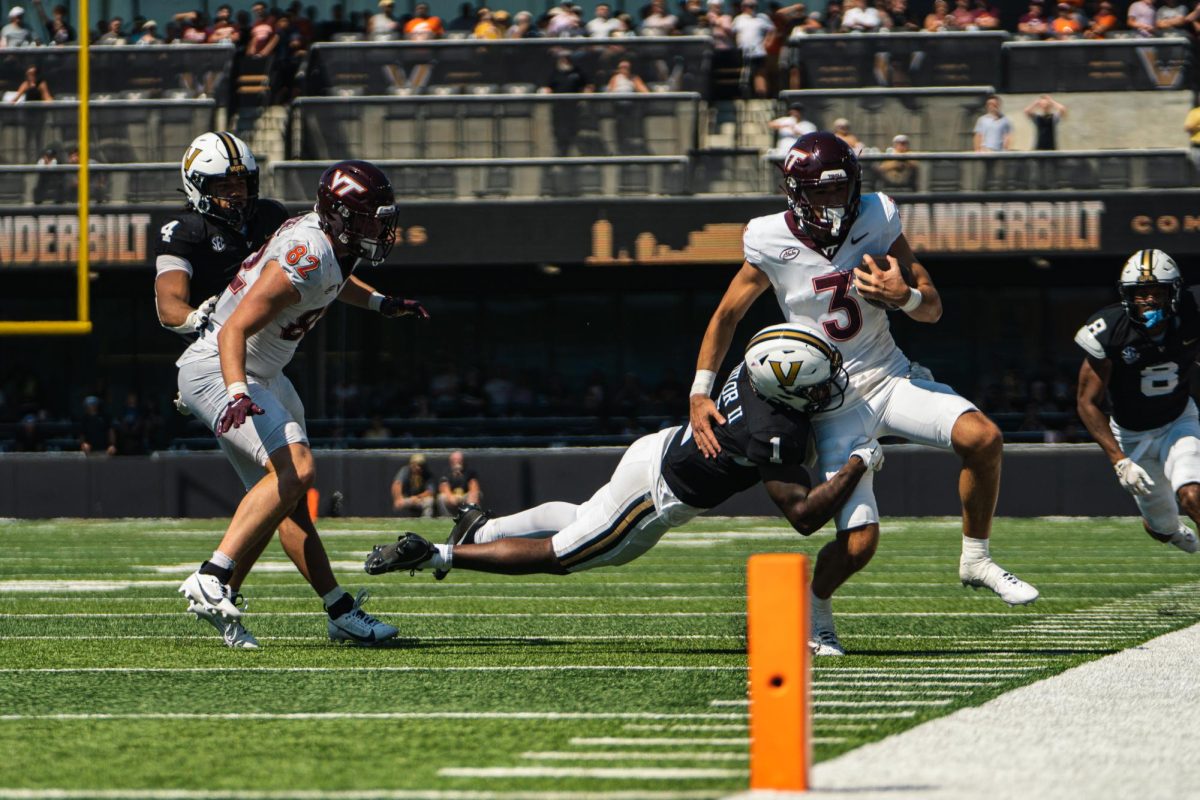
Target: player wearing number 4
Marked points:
232	379
817	256
1143	352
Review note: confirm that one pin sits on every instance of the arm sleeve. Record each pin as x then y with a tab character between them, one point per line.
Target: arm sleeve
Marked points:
172	263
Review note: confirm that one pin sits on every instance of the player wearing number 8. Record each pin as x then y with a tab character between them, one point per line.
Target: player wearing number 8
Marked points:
816	255
232	379
1142	351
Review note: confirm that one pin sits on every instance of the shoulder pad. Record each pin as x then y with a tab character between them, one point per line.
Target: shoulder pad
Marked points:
1095	336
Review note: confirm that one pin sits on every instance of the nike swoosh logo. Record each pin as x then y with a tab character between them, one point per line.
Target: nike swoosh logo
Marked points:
859	239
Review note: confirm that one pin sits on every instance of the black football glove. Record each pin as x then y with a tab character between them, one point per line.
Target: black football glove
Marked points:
399	307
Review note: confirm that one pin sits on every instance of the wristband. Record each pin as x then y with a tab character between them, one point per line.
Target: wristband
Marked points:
236	388
375	301
914	299
703	384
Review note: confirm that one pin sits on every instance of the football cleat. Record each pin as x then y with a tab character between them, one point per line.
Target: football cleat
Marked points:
467	521
212	596
359	627
408	552
1184	539
234	634
825	643
990	575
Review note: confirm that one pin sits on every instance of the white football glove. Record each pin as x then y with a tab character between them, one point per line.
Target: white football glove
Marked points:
871	454
181	406
197	320
917	372
1133	478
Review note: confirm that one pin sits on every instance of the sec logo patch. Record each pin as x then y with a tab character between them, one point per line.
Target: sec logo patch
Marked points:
789	254
218	244
1129	355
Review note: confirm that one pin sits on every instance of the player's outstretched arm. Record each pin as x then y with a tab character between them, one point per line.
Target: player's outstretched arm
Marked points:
358	292
930	307
746	287
808	511
1094	374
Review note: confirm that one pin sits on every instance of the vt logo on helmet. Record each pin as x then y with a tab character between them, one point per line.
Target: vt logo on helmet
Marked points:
357	208
823	184
793	366
220	178
1150	286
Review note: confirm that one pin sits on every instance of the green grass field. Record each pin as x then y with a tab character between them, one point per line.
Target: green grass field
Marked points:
620	683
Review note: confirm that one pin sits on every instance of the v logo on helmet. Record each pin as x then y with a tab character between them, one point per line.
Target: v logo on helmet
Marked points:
790	377
342	184
192	154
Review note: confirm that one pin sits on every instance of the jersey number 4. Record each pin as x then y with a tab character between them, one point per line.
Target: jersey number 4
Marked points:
1160	379
839	284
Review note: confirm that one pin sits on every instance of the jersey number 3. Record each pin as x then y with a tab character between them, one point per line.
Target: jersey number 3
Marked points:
839	284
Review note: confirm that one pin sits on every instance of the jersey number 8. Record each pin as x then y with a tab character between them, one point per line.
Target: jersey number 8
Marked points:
1160	379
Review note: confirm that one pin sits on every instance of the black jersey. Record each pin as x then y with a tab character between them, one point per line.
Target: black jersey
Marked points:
1150	382
759	442
213	249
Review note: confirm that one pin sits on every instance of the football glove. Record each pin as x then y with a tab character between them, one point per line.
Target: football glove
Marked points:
181	406
236	411
918	372
399	307
871	454
1133	478
197	319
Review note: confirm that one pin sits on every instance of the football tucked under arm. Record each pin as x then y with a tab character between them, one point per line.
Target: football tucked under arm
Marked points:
868	276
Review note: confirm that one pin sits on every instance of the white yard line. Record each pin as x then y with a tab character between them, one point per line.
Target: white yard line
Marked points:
634	755
380	715
655	741
609	773
478	668
366	794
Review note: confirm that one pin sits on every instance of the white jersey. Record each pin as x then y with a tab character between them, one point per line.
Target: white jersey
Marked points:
306	256
816	290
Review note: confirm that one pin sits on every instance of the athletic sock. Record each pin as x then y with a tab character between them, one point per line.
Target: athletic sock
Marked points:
442	558
337	602
821	612
974	550
219	565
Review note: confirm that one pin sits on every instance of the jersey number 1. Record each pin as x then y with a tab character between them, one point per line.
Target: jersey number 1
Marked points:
839	284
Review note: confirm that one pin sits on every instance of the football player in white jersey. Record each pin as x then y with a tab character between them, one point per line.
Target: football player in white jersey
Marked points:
232	379
824	257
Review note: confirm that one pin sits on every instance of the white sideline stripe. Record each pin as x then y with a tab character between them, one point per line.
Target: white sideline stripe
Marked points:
512	614
1113	727
366	794
634	755
868	691
543	637
639	726
851	703
864	715
79	586
822	670
327	715
657	741
478	668
612	773
524	599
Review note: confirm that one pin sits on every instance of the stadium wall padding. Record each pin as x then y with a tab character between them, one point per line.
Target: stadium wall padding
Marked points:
1039	480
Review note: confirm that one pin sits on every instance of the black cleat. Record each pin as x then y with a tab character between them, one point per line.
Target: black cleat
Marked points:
408	552
467	521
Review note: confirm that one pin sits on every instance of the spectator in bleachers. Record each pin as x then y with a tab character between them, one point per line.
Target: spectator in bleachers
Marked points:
113	35
29	438
603	24
16	33
833	16
939	19
900	18
263	40
898	174
382	26
304	22
522	27
97	181
859	16
987	18
412	492
131	428
49	186
1140	18
993	130
1045	113
963	15
1192	125
149	33
790	127
841	129
657	21
720	26
464	22
289	55
1103	23
96	431
625	81
335	25
1066	24
459	486
423	26
752	31
58	27
486	28
565	78
689	16
33	88
195	27
224	29
1173	17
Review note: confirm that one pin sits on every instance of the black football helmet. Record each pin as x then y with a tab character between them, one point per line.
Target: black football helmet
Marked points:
823	183
357	208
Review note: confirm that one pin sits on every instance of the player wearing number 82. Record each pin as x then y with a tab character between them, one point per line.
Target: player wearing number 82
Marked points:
816	255
1142	351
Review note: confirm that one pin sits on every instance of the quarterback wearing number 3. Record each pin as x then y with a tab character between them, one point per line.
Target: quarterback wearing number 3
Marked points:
824	257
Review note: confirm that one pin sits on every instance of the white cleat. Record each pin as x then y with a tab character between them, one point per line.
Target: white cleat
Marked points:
232	633
212	596
1185	540
990	575
825	643
360	627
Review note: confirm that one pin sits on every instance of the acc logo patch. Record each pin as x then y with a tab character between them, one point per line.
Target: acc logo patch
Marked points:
789	254
1129	355
218	244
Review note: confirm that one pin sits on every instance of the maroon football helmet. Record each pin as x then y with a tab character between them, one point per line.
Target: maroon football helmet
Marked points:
823	184
357	208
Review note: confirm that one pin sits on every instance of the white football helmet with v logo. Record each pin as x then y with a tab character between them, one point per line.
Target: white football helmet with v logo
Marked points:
794	366
210	163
